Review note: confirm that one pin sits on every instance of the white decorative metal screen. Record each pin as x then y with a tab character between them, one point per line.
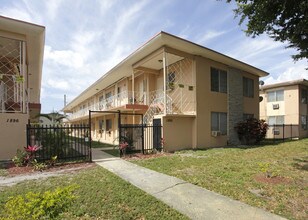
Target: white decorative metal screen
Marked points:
181	87
12	76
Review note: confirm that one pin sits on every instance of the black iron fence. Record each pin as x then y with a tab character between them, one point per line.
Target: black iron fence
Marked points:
68	143
142	138
282	132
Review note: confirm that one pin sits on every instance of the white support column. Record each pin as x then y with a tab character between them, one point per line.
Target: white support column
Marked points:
133	93
115	100
147	102
25	105
133	87
165	82
126	90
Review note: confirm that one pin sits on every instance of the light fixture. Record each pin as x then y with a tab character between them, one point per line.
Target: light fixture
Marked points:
160	61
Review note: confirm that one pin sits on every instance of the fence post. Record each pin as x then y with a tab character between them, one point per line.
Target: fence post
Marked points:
283	132
28	132
119	126
142	134
90	136
274	133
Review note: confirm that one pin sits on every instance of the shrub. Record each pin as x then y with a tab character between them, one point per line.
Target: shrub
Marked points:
47	205
19	158
251	131
26	157
265	168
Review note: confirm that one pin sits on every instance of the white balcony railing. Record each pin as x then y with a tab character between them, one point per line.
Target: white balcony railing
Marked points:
111	102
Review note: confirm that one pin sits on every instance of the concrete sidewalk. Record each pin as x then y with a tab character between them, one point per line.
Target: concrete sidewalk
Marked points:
190	200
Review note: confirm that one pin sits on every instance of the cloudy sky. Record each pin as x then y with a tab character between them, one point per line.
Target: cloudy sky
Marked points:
84	39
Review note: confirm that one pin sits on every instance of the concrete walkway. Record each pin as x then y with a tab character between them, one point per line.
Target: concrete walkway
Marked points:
190	200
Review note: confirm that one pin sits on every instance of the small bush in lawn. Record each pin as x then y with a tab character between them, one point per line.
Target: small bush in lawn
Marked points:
46	205
251	131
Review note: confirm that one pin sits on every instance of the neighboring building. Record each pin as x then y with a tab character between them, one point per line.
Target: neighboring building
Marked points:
197	94
21	59
285	103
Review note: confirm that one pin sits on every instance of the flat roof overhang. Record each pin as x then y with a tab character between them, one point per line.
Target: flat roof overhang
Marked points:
34	36
161	40
303	82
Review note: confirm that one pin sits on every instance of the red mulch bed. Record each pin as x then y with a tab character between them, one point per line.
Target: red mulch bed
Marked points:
272	180
14	171
140	156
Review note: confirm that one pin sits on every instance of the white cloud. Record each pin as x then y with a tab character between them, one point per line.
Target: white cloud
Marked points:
16	13
67	58
290	73
58	84
250	49
52	8
208	35
125	18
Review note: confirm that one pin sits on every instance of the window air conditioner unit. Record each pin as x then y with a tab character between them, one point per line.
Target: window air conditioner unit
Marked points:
276	132
216	133
275	106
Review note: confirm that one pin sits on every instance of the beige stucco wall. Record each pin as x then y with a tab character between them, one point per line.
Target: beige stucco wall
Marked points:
291	104
207	102
12	134
303	111
251	105
177	132
291	108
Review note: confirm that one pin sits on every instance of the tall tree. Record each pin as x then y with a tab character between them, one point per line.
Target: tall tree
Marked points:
282	20
54	117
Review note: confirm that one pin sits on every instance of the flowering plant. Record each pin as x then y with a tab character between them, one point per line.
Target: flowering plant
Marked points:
123	145
32	149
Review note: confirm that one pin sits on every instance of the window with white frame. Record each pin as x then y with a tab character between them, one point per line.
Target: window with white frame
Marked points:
275	96
304	96
304	121
219	122
248	87
219	80
276	120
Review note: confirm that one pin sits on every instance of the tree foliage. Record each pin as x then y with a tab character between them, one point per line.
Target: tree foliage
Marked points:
282	20
54	117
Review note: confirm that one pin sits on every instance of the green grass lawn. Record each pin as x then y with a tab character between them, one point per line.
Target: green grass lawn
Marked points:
236	173
101	195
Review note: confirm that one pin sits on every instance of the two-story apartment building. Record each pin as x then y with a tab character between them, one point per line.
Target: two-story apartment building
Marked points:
21	59
286	103
197	94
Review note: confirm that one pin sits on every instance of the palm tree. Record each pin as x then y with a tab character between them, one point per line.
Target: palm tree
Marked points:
55	117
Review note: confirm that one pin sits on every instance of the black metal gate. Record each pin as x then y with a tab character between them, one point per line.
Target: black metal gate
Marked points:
136	137
157	138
